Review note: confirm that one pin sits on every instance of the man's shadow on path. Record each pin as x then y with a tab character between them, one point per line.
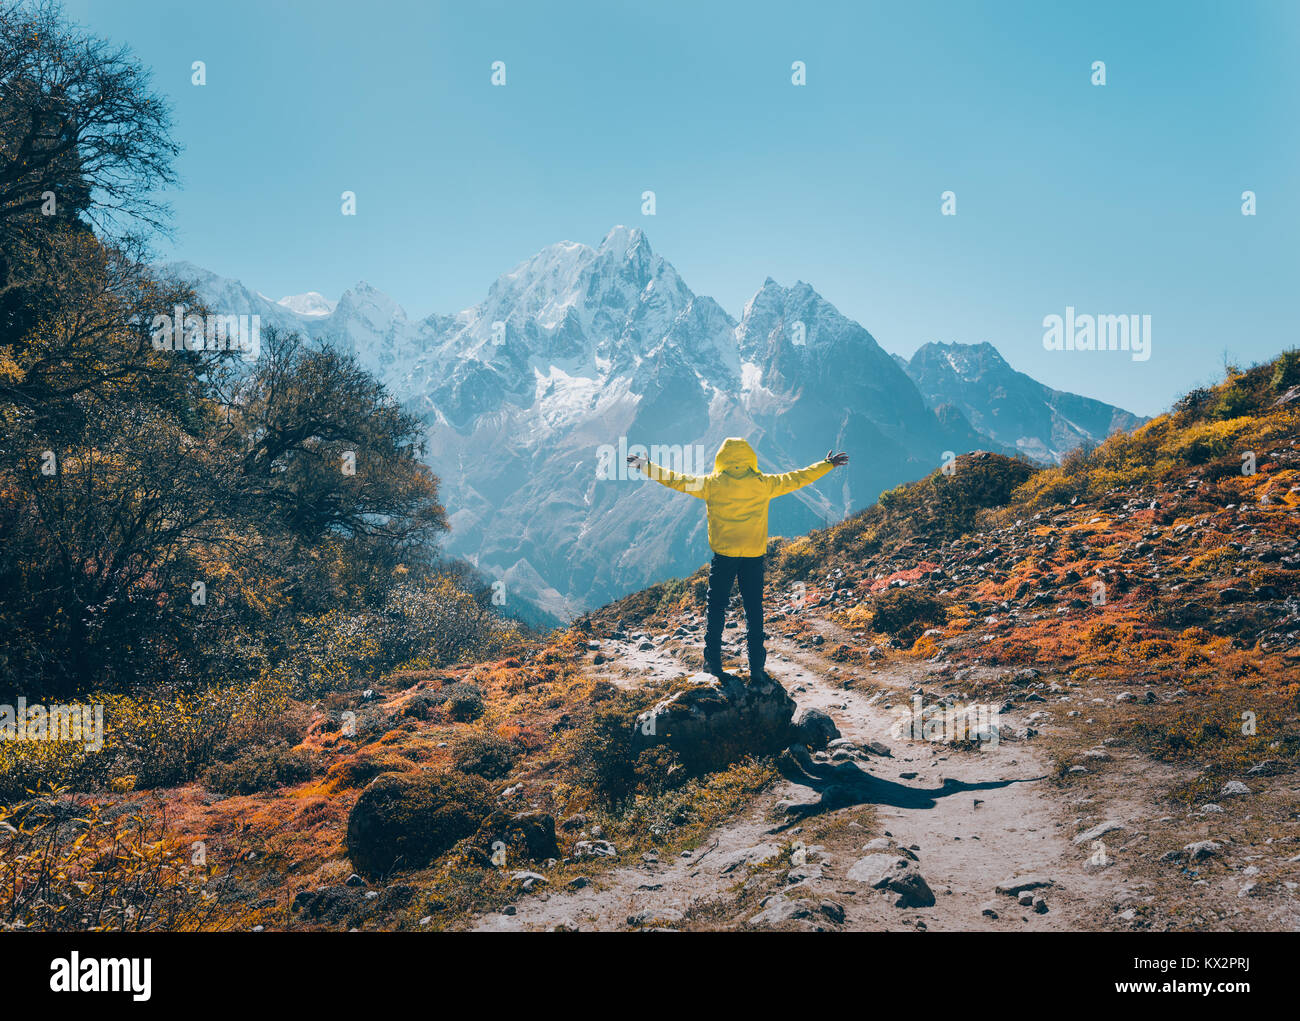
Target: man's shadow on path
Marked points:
841	785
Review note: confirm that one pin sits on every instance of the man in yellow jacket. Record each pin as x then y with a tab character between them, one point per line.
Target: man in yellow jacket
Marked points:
736	495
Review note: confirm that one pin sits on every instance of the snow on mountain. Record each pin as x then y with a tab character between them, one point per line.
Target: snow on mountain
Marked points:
1009	406
230	297
313	303
530	398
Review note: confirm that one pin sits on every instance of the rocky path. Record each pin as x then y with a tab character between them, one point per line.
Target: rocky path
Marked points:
976	820
975	826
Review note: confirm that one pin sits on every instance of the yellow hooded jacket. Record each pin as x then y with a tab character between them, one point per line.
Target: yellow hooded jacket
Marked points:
736	495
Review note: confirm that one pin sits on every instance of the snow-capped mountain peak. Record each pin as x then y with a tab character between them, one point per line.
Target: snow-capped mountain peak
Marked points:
313	303
1010	406
624	241
580	349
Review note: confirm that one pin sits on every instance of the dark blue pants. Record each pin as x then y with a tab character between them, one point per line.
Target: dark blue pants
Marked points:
748	572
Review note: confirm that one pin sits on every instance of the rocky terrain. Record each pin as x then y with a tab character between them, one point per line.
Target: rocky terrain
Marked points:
1004	698
1033	661
581	349
1009	406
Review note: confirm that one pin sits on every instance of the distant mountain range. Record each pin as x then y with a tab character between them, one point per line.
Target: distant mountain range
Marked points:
578	349
1008	406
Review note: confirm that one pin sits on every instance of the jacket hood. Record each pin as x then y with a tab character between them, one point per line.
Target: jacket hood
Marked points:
735	456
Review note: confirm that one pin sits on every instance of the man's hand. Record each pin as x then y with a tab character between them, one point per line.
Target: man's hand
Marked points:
638	462
837	459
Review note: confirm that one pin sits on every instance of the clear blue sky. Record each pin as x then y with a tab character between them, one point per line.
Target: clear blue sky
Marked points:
1116	199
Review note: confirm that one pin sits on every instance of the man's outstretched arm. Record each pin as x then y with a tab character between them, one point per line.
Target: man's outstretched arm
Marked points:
788	482
690	484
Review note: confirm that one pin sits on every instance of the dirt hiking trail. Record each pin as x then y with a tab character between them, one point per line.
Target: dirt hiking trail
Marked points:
969	821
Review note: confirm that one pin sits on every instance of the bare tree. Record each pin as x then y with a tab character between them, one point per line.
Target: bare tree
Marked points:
80	127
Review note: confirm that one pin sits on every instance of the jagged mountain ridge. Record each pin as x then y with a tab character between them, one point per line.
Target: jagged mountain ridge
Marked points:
1009	406
579	348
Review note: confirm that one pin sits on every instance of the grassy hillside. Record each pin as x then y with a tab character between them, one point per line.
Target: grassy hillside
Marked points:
1163	564
986	572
